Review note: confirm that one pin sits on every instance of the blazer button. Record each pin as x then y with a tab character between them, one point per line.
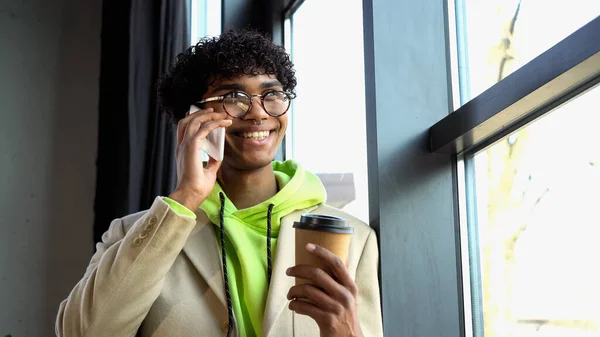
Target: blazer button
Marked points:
148	227
225	326
152	221
137	241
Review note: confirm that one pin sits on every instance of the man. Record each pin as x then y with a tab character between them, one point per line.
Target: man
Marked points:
216	257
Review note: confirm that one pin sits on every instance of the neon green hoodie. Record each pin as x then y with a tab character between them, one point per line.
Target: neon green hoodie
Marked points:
246	238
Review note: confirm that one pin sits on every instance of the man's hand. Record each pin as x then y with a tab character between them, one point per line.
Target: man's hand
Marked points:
333	300
195	182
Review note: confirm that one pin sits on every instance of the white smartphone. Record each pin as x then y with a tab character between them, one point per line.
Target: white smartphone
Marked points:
214	144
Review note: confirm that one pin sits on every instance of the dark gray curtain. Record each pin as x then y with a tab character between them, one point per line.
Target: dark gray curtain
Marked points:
160	30
136	143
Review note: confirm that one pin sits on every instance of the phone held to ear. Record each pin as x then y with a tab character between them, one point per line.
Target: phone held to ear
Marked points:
214	144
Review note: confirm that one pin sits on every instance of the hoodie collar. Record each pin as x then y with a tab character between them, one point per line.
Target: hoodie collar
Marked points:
299	189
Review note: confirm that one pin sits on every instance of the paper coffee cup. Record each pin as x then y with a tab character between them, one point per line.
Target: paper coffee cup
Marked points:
330	232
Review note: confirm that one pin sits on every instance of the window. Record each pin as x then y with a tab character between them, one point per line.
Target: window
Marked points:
498	37
536	198
206	19
529	223
327	131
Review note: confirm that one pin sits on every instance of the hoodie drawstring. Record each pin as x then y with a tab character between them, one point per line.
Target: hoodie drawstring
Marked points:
224	263
224	257
269	256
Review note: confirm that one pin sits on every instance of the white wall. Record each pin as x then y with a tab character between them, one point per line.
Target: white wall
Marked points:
49	70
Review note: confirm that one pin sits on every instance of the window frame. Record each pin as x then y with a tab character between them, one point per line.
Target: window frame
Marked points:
287	36
554	77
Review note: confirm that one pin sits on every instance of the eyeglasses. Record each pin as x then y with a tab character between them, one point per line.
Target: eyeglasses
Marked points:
238	103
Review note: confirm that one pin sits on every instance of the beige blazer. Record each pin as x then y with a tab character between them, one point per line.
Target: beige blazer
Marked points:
157	273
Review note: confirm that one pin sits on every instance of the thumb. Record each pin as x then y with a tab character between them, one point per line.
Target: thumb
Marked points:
213	165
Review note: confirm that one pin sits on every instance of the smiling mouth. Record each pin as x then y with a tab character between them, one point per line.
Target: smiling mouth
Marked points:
257	135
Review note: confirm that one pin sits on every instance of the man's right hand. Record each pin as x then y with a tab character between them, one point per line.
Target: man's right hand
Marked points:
195	182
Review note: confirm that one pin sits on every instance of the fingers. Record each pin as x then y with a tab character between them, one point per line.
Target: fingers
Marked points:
192	123
311	310
315	296
181	126
201	125
207	127
343	288
335	264
213	165
319	278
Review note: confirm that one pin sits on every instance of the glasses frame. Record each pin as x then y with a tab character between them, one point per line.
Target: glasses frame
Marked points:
221	98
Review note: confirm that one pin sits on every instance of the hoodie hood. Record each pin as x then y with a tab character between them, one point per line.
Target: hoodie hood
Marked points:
298	189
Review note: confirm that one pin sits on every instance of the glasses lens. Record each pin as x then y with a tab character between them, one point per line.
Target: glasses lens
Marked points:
276	103
236	104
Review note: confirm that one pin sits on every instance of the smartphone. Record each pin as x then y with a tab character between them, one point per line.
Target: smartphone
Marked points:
214	144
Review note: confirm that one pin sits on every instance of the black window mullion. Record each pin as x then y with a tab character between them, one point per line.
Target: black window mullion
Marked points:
413	193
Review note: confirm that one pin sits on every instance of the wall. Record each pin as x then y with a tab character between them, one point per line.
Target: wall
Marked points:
49	69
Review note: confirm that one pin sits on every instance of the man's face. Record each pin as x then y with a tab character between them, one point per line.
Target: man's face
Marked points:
246	147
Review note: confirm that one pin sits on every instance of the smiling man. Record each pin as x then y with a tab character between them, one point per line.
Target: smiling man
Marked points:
216	257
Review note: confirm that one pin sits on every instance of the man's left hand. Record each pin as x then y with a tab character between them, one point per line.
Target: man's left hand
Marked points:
333	300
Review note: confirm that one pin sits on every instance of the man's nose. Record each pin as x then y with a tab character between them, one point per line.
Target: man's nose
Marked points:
257	111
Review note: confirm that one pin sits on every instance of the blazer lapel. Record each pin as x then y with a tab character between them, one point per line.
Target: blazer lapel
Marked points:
285	257
202	250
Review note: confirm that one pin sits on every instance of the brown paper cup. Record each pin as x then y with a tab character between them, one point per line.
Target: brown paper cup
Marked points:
332	233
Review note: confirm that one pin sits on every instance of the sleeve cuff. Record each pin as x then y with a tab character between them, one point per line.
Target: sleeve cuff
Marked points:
179	208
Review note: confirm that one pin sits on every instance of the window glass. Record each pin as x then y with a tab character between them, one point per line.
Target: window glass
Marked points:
206	19
327	132
500	36
537	196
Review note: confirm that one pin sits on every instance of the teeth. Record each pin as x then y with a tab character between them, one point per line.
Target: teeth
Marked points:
256	135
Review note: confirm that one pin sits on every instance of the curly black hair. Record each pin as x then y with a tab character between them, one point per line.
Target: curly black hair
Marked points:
230	55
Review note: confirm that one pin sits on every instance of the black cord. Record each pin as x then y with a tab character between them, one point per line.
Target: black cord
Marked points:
224	255
269	256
